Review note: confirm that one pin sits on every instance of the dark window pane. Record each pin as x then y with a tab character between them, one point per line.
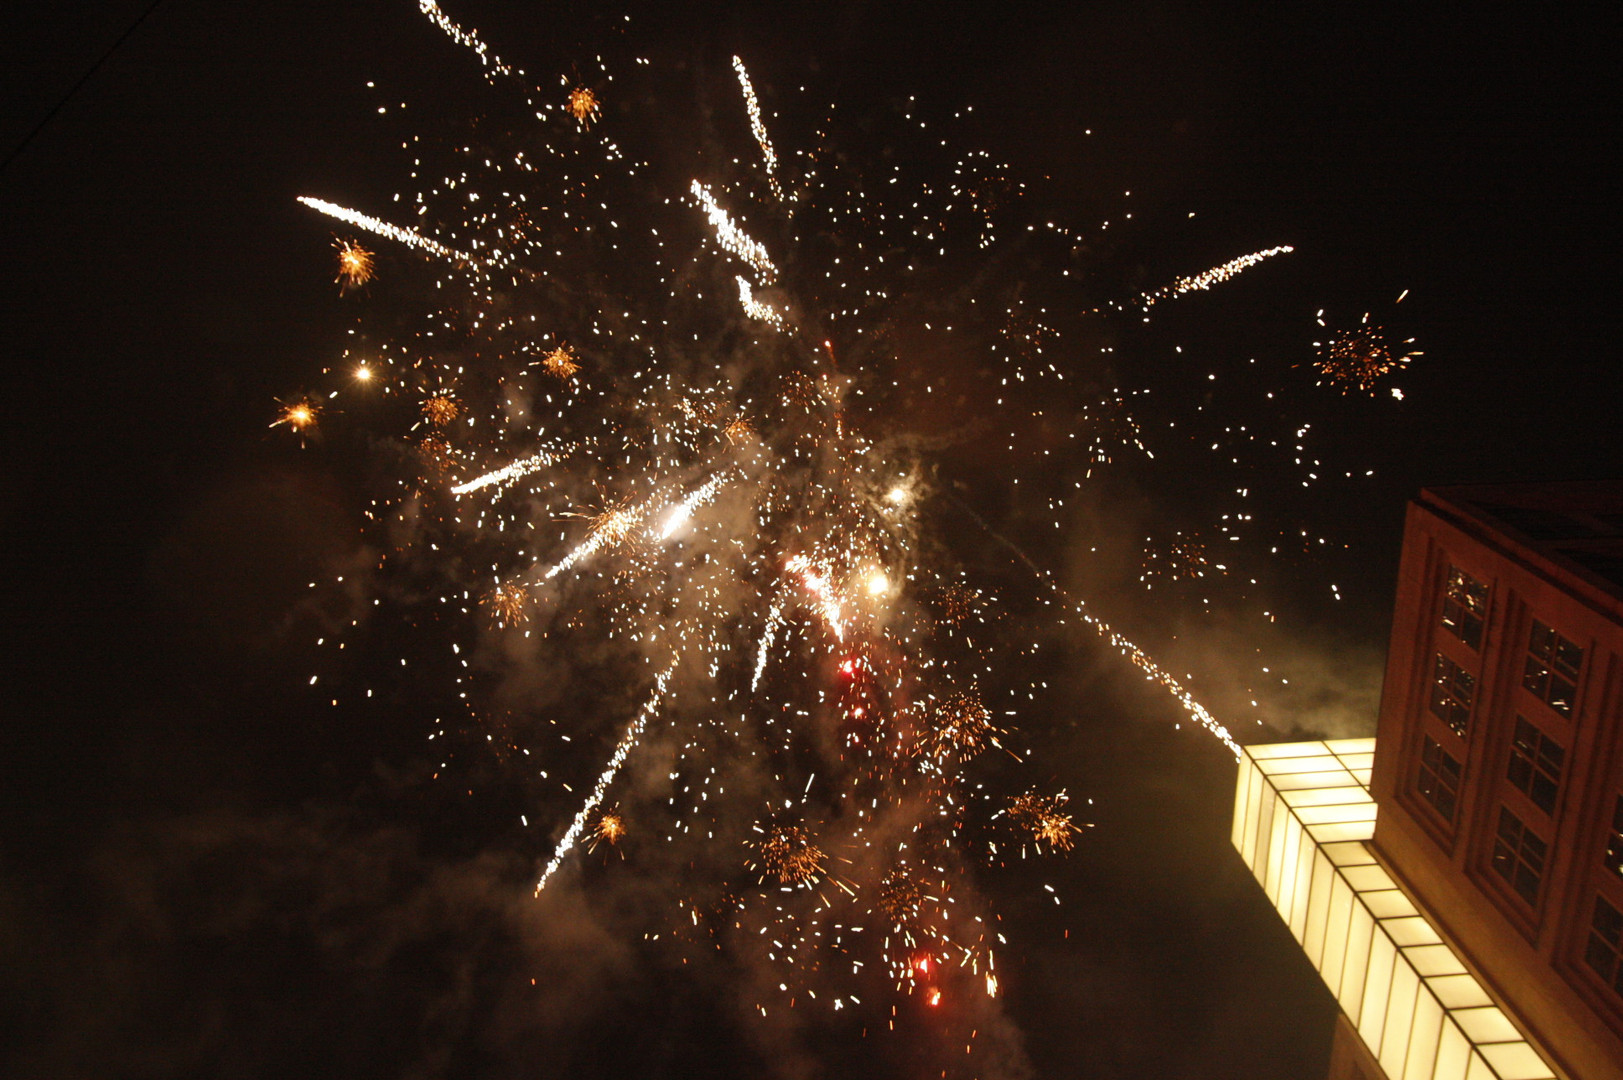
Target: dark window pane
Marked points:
1535	764
1551	670
1465	607
1600	957
1614	843
1518	855
1543	793
1451	693
1439	780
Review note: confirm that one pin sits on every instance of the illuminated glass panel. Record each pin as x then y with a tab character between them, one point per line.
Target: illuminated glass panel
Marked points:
1535	764
1605	948
1439	778
1551	672
1465	607
1417	1009
1614	842
1452	690
1518	855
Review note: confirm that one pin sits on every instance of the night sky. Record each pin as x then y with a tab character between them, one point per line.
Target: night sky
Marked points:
206	870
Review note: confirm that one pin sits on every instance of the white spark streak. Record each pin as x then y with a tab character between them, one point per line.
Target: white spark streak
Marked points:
508	473
1207	278
768	155
616	759
754	308
379	227
774	620
466	38
734	239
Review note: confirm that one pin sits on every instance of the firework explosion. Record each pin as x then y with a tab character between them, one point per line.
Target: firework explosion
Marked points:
728	484
354	264
1356	359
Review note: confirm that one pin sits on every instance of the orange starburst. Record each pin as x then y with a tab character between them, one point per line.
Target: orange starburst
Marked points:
560	362
299	415
440	409
1356	358
507	603
610	827
738	429
354	264
436	457
614	524
901	897
583	105
959	726
1044	817
787	853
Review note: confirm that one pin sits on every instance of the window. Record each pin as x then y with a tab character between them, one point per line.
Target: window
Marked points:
1606	943
1614	842
1451	693
1439	778
1465	607
1518	855
1535	765
1552	668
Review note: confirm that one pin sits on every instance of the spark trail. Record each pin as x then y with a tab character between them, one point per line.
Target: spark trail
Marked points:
621	751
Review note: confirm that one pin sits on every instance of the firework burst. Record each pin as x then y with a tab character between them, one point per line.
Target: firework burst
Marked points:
354	264
1357	358
746	496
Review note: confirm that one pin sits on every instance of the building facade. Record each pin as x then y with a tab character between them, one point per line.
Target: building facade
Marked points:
1497	785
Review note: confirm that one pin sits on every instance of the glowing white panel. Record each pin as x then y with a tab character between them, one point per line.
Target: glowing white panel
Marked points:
1355	969
1515	1061
1453	1053
1484	1024
1400	1018
1318	909
1436	959
1458	991
1302	816
1389	904
1377	986
1424	1036
1368	877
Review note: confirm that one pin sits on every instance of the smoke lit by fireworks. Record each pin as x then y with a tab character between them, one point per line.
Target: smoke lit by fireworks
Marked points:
743	507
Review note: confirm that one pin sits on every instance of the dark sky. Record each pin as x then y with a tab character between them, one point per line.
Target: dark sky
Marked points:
202	872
